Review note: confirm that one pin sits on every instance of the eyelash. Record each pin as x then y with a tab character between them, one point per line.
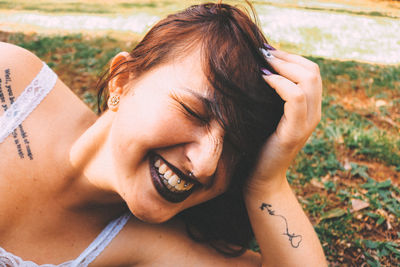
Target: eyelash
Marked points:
192	113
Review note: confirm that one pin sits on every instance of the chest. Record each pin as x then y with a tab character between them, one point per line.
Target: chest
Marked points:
34	159
35	149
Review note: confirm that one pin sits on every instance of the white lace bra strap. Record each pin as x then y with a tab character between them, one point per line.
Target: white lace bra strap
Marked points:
102	240
33	94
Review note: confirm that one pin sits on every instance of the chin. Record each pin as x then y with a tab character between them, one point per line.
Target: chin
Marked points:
150	218
150	211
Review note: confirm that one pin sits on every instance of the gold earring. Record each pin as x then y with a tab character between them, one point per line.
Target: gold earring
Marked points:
113	102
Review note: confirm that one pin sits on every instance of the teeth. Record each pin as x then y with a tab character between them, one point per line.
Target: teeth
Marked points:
163	168
180	186
188	186
157	163
168	174
173	180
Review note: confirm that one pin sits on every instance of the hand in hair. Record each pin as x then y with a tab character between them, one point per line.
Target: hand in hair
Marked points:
299	84
283	231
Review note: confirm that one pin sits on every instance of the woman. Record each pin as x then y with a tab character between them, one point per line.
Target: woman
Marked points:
191	130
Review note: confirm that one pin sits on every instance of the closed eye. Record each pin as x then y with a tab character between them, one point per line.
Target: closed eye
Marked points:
194	114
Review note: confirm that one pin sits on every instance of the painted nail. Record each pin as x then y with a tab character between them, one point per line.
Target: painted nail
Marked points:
266	71
269	47
266	54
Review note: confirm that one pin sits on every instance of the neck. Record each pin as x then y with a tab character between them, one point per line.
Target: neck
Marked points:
92	163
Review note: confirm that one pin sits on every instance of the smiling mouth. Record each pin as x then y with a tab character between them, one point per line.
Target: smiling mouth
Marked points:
169	182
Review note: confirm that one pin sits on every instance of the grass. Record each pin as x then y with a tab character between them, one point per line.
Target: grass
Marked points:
326	37
346	11
351	146
77	59
160	7
119	6
352	155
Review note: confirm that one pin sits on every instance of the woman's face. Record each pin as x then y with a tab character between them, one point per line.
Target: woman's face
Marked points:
161	132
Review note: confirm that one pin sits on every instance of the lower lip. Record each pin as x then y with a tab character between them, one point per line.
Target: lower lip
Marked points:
162	189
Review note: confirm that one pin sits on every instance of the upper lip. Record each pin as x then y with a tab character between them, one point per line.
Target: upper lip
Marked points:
179	173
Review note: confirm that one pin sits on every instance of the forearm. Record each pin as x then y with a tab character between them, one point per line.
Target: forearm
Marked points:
283	231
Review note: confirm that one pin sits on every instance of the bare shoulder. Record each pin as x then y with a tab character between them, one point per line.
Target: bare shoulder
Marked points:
18	67
44	135
11	52
15	57
168	244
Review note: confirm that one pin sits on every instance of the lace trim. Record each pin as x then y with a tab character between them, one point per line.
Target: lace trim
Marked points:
30	98
10	260
102	241
91	252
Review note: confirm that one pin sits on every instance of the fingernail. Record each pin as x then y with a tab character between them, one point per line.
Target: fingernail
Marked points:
266	71
269	47
266	53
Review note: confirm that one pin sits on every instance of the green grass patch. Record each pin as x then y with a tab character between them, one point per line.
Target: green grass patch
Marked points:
71	50
374	144
372	78
317	159
352	12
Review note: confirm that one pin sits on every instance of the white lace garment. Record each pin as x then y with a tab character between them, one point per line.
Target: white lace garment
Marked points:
30	98
93	250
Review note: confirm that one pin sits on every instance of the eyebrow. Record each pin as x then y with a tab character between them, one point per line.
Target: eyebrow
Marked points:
206	101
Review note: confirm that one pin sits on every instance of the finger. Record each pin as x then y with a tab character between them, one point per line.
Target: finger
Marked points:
308	78
296	59
289	70
314	75
308	82
293	73
295	110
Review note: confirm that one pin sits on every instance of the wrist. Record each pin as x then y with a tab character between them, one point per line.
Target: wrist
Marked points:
260	190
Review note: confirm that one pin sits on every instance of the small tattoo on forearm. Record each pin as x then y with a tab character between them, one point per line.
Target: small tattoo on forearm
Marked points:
294	239
8	90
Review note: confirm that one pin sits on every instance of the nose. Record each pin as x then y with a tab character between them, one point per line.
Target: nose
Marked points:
204	153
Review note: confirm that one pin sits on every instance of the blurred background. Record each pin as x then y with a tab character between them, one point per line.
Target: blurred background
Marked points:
347	176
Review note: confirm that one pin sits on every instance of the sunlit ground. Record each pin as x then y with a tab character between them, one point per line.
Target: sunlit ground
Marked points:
317	28
333	35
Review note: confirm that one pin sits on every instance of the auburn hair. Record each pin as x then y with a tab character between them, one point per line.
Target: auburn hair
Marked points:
244	104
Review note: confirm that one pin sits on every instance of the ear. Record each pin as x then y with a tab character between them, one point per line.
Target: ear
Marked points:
117	84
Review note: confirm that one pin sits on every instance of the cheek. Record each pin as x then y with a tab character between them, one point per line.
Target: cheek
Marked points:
220	183
224	172
150	122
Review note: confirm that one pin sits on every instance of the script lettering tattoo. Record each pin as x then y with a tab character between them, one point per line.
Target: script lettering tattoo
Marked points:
26	142
11	98
2	98
294	239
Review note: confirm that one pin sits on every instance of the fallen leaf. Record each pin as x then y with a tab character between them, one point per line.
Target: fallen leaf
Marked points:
382	212
357	204
389	225
317	183
334	213
380	103
326	178
347	165
395	197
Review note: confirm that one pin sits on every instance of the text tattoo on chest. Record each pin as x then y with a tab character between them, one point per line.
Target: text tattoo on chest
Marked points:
7	98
